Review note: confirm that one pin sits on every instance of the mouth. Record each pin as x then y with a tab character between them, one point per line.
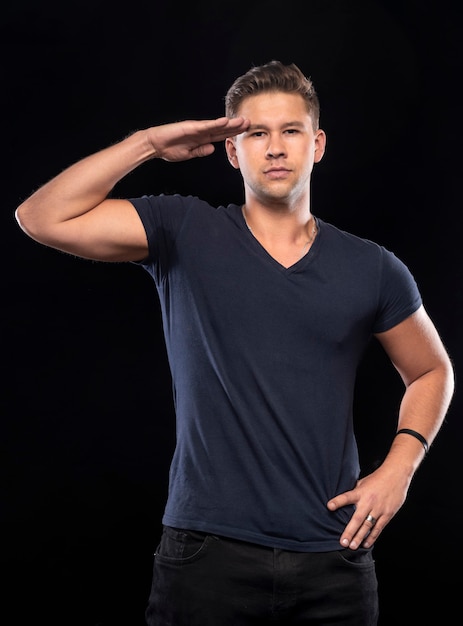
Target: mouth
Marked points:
277	172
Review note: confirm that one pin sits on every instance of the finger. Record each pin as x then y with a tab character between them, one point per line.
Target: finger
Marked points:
230	121
341	500
224	127
363	531
373	533
370	521
201	151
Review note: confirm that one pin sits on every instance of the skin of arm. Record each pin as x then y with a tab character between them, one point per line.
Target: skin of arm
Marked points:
72	212
418	354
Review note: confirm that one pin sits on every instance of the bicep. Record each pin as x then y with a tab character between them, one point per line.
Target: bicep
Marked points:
112	231
414	346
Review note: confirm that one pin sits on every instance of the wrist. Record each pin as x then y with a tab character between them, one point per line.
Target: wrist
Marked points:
139	144
417	435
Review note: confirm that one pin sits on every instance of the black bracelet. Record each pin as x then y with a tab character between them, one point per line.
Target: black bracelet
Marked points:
413	433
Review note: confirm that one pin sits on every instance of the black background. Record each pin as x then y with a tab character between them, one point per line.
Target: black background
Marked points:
87	425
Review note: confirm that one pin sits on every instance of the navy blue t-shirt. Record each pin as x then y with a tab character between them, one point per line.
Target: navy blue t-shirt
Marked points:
263	361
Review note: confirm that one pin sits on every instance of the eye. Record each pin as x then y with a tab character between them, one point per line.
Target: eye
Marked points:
291	131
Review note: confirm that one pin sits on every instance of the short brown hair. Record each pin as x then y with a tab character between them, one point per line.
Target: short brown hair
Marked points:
273	76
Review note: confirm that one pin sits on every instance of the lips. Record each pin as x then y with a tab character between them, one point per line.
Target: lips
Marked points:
277	172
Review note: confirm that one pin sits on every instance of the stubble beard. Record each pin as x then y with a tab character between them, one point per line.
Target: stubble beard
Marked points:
277	193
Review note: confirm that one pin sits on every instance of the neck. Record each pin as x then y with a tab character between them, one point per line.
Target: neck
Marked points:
286	244
279	225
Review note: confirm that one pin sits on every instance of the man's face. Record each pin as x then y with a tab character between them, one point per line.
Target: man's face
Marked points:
277	152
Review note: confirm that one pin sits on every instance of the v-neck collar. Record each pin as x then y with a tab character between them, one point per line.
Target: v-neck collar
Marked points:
305	258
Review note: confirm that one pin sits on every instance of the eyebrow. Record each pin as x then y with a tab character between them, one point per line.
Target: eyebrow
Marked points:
285	125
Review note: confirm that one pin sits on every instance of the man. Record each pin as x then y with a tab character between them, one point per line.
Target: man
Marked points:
267	311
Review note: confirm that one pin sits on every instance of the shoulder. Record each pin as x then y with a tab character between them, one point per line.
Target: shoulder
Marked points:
356	246
180	204
167	201
339	236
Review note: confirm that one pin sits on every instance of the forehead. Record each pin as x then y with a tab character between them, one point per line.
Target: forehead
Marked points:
274	106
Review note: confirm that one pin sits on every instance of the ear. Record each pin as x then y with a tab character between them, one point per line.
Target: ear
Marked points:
230	147
320	145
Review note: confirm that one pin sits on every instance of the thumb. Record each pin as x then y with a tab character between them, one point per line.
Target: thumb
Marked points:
203	150
342	499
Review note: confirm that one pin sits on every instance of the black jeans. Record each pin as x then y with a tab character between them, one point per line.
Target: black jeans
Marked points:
205	580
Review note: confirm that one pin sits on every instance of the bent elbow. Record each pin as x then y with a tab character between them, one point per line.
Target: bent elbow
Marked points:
449	370
22	218
27	219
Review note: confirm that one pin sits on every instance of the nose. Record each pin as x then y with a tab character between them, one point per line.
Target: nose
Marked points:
275	147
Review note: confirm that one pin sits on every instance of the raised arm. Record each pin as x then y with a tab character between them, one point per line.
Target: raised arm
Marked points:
421	359
72	212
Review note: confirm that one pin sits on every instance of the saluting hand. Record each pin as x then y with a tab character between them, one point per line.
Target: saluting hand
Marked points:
185	140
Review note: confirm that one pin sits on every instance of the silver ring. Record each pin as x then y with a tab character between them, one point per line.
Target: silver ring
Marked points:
371	519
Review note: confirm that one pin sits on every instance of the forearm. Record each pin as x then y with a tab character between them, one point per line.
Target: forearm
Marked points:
423	408
84	185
